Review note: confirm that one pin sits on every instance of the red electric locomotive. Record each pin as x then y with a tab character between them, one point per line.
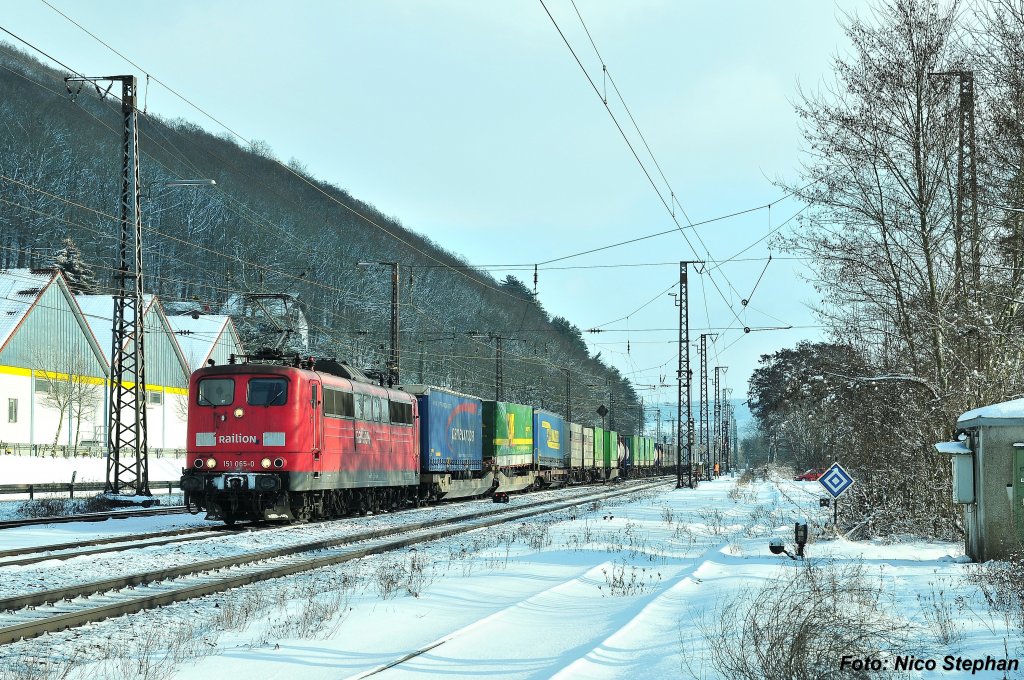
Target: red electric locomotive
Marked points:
297	439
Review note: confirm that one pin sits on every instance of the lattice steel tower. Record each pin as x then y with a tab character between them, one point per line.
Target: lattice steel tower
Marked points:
684	376
127	453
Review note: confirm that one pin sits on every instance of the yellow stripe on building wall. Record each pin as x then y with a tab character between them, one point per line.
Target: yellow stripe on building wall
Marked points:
64	377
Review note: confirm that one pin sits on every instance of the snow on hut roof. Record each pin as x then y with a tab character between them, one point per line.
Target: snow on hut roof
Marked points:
19	288
197	337
957	448
1005	413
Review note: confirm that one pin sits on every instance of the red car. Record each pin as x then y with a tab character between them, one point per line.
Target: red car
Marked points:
811	475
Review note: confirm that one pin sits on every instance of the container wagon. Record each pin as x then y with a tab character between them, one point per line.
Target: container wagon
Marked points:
550	441
508	445
574	461
451	444
588	454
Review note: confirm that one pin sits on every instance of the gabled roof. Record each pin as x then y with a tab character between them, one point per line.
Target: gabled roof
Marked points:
99	312
19	290
198	337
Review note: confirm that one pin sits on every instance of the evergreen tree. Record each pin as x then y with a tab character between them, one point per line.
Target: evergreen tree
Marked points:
516	287
77	271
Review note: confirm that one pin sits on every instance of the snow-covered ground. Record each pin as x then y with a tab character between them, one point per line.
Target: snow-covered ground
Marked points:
47	469
630	588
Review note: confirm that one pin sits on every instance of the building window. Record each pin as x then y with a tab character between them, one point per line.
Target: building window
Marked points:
42	386
12	410
154	397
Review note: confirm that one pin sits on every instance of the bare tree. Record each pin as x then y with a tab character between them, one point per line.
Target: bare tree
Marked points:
69	389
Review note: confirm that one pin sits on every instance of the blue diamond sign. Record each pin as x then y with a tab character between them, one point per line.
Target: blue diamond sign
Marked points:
836	480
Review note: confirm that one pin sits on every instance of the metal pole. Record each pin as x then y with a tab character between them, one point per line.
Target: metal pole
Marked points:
422	352
126	412
640	419
684	377
568	396
726	429
717	414
498	379
394	359
611	409
704	425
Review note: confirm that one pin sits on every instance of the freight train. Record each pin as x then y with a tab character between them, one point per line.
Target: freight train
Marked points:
275	439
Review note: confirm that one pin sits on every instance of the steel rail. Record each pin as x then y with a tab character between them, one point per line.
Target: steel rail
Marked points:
198	581
45	553
93	516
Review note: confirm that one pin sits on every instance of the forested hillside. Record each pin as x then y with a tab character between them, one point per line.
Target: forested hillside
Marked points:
269	227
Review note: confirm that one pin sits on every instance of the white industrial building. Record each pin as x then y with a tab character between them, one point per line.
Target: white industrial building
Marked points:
55	363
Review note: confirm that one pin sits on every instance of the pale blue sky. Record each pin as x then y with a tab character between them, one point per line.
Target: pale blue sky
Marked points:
468	121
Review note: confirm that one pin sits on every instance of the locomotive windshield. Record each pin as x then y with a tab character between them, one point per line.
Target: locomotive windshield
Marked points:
268	391
216	392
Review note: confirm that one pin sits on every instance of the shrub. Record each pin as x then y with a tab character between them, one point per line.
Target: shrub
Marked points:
799	626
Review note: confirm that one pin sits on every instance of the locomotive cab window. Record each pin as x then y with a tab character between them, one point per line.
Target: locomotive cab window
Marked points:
267	392
216	392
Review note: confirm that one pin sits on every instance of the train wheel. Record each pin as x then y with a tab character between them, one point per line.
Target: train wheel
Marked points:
229	519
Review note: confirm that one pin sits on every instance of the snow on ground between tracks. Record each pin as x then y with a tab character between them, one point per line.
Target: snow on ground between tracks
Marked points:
620	589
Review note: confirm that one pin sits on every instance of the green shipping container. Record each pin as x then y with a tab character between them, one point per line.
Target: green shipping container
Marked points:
611	450
599	436
508	434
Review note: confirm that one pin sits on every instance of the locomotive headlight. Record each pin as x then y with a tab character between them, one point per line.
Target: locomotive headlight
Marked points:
211	462
265	463
279	462
198	463
239	413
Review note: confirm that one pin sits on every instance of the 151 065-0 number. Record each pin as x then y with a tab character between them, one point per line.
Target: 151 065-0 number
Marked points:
240	464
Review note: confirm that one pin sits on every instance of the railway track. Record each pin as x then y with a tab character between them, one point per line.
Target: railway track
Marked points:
66	551
54	610
93	516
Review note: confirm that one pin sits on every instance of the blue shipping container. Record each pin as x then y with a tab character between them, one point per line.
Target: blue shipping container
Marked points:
451	436
550	439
